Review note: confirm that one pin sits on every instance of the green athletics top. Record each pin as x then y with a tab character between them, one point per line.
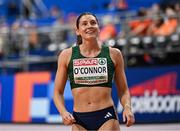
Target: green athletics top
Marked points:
90	71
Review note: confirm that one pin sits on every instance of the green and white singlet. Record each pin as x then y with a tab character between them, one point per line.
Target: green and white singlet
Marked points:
90	71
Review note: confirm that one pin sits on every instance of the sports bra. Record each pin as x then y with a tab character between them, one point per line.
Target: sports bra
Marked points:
90	71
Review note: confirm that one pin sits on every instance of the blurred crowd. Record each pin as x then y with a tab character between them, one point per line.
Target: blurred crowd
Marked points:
156	21
54	30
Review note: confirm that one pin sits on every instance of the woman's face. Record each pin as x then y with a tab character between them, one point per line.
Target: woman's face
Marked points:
88	27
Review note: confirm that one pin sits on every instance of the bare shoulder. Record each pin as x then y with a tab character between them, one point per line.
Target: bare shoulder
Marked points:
116	56
65	55
66	52
114	53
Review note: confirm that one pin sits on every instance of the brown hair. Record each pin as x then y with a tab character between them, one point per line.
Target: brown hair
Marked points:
79	38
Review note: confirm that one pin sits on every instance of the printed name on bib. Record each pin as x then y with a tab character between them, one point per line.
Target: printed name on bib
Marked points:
90	71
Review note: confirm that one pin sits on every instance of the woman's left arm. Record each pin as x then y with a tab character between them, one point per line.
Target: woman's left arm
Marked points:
122	87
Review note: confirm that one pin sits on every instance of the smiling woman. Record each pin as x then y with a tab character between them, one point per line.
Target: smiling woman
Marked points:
91	68
93	24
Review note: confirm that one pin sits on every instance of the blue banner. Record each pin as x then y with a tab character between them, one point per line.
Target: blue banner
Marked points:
28	97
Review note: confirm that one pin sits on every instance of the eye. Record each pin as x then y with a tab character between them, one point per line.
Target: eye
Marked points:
93	22
84	23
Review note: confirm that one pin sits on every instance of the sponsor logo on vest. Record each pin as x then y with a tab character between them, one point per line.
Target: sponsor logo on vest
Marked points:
85	62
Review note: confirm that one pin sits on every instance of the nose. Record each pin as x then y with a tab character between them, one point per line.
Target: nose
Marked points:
89	25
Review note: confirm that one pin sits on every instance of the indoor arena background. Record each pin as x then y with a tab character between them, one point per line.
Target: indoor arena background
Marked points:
34	32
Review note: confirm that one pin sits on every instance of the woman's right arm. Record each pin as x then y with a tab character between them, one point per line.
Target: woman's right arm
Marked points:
59	85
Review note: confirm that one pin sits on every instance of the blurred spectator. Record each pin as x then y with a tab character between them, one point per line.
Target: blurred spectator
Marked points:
27	8
156	24
44	39
32	39
24	37
56	12
108	30
71	37
118	5
122	4
177	8
59	32
140	26
177	11
13	10
4	30
164	27
154	10
16	38
71	18
168	3
34	8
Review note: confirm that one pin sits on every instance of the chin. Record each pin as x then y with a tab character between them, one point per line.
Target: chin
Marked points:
91	38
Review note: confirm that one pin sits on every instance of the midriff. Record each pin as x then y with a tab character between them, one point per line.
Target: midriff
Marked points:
87	99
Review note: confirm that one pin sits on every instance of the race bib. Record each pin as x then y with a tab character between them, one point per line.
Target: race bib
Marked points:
90	71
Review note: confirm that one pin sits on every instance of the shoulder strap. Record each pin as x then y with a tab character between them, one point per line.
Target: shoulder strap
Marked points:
75	51
105	50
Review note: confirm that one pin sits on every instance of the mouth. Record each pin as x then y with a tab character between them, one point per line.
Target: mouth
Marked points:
90	32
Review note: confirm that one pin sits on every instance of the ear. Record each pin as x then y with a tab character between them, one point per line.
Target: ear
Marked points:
77	31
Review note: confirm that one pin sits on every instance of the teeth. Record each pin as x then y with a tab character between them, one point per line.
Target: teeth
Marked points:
89	32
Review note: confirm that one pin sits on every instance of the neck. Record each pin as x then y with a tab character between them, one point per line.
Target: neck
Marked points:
90	45
90	49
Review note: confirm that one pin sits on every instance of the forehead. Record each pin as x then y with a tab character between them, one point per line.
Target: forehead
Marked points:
87	18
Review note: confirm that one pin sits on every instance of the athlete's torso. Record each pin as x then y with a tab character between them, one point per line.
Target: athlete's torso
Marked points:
91	97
